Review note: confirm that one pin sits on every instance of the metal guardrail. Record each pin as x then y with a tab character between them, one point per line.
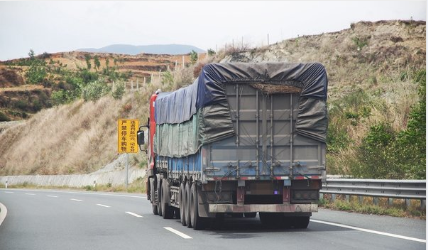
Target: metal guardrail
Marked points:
398	189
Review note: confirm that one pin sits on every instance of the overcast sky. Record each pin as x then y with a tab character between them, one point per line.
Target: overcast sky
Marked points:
57	26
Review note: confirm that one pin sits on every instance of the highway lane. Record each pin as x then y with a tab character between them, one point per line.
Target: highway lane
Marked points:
49	219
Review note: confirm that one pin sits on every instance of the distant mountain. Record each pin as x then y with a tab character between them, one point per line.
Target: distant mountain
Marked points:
171	49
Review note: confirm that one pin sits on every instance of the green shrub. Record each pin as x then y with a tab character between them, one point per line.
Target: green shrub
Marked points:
376	154
118	91
385	153
193	57
360	42
21	104
58	97
211	52
167	78
3	117
37	70
86	76
95	90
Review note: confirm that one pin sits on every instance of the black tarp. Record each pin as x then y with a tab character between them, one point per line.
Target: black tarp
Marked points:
206	98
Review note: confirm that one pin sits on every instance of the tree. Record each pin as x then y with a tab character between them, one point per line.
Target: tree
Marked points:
97	62
211	52
193	57
107	62
36	72
88	61
31	54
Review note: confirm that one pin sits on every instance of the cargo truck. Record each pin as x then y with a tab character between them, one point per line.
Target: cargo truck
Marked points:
244	138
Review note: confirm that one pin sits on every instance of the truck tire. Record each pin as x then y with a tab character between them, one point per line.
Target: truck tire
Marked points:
300	222
159	200
187	204
272	220
196	221
182	201
167	210
152	196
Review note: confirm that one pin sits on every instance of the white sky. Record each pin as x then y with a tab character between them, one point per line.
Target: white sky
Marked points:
57	26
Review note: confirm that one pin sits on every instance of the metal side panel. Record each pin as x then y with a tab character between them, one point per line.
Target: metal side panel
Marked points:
190	166
265	145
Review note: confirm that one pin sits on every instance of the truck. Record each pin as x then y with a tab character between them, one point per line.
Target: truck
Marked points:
242	139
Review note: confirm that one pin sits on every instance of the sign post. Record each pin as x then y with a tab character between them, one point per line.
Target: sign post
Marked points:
127	139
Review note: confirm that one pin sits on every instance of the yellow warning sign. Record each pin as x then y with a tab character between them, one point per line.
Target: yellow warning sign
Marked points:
127	135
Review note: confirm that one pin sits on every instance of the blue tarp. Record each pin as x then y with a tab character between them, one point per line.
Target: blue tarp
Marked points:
178	106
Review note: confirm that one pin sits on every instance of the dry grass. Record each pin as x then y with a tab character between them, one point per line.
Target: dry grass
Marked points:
77	138
367	206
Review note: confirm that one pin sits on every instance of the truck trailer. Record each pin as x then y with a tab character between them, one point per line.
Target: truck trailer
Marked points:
242	139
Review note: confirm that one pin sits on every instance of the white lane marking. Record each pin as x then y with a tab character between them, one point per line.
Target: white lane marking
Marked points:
52	196
371	231
101	205
3	213
105	194
185	236
75	200
7	192
30	194
136	215
85	193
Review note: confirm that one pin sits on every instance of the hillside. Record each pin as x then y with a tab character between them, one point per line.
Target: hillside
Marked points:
26	84
371	94
169	49
375	82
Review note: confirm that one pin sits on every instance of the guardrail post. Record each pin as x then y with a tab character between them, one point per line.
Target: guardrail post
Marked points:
423	204
333	197
407	203
360	199
347	197
375	201
390	201
6	184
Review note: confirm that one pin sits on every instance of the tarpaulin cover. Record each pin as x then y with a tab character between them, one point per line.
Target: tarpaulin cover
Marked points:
178	106
206	98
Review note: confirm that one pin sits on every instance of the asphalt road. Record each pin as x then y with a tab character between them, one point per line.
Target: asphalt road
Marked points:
48	219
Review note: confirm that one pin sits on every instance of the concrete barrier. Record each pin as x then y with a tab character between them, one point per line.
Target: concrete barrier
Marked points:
113	174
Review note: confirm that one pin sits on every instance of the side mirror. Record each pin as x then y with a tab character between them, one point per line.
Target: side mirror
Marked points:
140	138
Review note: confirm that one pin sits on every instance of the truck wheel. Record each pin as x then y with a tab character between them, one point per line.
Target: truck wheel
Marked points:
300	222
182	195
250	215
159	200
187	204
152	197
197	222
167	211
275	220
